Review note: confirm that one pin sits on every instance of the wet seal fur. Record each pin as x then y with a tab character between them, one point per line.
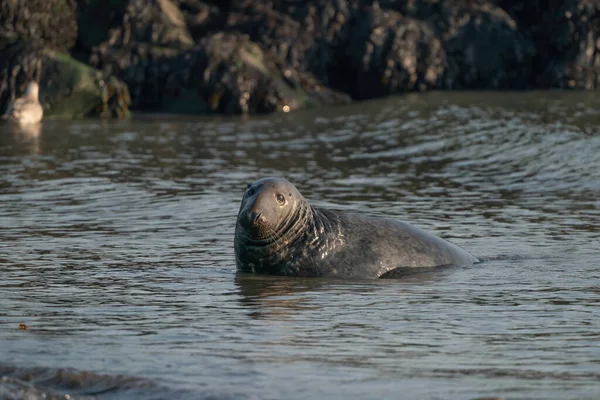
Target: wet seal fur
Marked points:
279	233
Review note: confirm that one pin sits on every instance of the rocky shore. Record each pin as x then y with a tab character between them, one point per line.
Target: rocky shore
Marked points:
106	57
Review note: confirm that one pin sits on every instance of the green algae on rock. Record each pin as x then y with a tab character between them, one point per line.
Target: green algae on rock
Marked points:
68	88
72	89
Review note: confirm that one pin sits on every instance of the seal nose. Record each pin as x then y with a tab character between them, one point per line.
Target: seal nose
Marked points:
253	217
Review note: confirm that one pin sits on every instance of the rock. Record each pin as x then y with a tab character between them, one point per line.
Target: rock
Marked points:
124	23
352	46
72	89
203	17
566	35
159	22
228	73
484	47
247	56
52	23
482	44
388	53
143	67
96	19
302	35
374	48
68	88
577	64
139	50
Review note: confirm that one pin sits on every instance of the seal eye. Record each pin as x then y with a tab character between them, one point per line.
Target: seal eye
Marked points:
250	191
280	198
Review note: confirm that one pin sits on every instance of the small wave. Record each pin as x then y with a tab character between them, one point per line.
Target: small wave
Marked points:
64	383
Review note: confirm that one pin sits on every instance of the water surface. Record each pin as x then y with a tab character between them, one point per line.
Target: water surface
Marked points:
116	252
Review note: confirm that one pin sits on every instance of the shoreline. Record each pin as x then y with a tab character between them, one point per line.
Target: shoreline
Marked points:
188	57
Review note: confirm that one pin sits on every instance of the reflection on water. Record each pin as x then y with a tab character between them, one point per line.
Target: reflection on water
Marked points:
116	252
275	297
22	137
272	297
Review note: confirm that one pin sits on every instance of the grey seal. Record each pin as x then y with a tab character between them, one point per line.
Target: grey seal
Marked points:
279	233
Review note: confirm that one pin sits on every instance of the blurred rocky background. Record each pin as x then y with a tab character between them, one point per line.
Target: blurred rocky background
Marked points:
106	57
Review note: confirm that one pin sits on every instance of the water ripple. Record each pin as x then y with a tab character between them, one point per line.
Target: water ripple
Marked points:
119	278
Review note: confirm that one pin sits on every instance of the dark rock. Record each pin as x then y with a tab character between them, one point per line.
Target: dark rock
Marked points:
52	23
370	49
225	73
388	53
228	73
577	64
157	22
484	47
68	88
139	50
303	35
203	17
566	35
352	46
145	69
482	43
125	24
96	19
247	56
20	62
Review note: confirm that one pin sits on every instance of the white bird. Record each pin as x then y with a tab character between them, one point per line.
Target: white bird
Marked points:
27	109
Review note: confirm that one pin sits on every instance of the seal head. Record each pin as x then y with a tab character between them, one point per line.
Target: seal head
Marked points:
268	208
272	219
